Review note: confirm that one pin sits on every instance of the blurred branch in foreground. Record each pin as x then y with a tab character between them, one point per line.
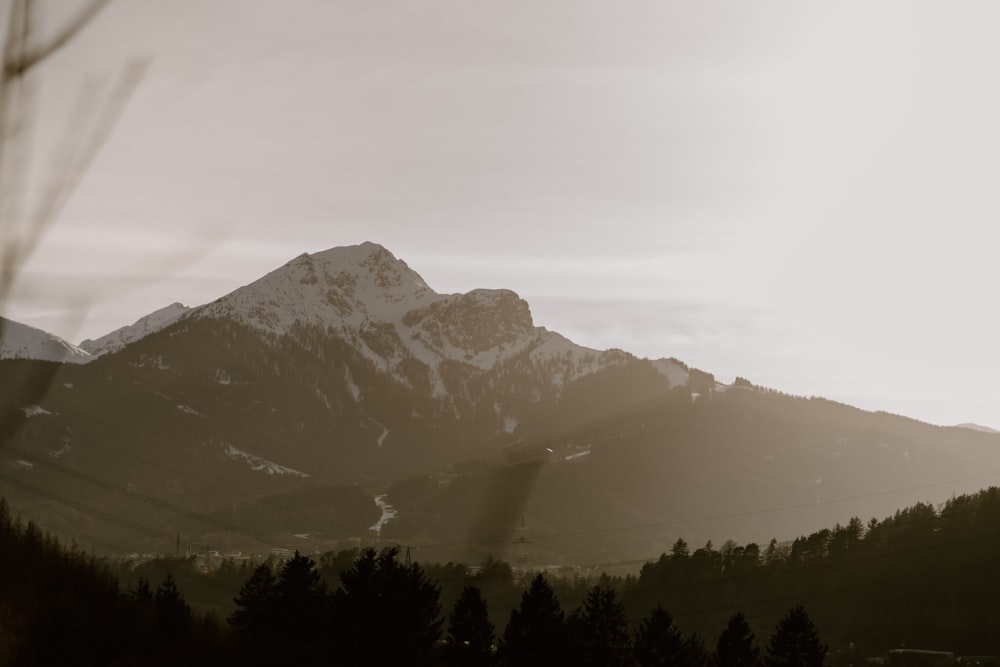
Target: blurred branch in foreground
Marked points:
21	227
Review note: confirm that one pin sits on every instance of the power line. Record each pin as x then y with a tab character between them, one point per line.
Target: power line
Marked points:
86	509
95	541
155	502
216	486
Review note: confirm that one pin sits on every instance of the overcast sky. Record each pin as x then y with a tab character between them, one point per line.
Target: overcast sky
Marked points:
804	194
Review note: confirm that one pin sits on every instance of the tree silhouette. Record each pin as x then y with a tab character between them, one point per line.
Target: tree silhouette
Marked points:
381	598
301	609
737	644
536	632
658	642
142	595
470	633
795	642
600	629
172	612
694	653
255	604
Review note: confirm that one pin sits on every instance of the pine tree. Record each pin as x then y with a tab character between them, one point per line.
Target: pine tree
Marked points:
795	642
658	642
142	595
694	653
536	632
600	629
380	597
171	610
737	644
255	604
301	603
470	633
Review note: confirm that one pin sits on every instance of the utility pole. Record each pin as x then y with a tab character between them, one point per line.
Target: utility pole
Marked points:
521	541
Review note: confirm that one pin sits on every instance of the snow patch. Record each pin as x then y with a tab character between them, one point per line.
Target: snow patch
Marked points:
260	464
189	410
35	411
388	514
351	386
509	424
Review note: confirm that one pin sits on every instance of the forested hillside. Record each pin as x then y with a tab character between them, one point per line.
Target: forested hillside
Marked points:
922	578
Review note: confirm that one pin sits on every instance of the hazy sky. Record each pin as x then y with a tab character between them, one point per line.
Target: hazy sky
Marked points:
801	193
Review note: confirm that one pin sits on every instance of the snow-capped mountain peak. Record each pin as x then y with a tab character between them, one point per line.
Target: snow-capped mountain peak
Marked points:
20	341
388	313
348	285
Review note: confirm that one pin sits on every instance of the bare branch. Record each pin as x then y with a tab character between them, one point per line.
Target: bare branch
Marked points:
28	59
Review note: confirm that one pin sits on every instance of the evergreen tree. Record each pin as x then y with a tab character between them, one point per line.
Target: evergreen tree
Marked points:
255	604
301	609
737	644
600	629
470	633
142	595
536	632
381	598
795	642
172	612
693	652
658	642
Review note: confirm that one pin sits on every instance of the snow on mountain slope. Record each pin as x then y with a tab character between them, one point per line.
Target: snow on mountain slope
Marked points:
20	341
348	286
142	327
389	314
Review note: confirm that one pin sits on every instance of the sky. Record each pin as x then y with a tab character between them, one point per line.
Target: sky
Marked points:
799	193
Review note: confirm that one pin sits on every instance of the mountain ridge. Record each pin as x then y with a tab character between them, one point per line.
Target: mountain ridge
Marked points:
23	341
344	369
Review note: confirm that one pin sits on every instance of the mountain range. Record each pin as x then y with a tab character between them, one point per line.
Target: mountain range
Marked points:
295	410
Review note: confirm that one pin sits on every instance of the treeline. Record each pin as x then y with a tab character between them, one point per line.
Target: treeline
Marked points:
922	578
59	606
386	612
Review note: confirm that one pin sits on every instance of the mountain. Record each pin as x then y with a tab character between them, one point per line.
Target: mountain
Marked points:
392	318
977	427
277	414
142	327
20	341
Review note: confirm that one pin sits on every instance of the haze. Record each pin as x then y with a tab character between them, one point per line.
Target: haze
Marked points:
797	193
